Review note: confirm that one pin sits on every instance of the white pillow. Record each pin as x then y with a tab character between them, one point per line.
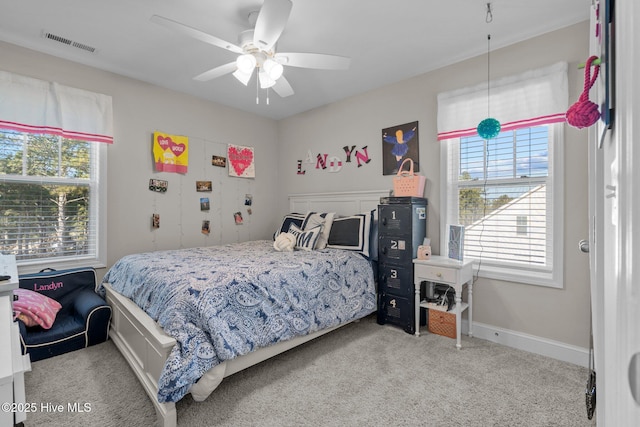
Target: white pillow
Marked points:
324	220
285	242
305	239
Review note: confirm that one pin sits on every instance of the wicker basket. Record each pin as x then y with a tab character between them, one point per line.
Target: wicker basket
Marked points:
442	322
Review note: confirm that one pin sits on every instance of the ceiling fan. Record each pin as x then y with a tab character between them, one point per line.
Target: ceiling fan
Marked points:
256	49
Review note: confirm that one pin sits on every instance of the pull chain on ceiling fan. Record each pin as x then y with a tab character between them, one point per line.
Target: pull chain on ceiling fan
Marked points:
257	50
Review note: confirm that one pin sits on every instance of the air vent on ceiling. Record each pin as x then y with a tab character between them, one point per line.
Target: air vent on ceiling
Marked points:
68	42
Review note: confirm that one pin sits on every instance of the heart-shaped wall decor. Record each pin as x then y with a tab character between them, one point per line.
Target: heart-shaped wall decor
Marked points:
240	159
176	149
164	142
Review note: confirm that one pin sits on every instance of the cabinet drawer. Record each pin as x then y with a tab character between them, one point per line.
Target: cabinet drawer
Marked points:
397	250
396	311
436	273
396	280
402	220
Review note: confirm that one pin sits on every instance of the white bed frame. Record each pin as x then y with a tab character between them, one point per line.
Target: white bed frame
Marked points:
146	347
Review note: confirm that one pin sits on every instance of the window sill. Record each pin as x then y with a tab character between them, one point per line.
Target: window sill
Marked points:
35	266
527	277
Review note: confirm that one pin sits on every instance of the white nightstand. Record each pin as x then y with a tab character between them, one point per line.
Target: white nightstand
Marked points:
457	274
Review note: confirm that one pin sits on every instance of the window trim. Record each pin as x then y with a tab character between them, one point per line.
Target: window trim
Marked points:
98	211
553	278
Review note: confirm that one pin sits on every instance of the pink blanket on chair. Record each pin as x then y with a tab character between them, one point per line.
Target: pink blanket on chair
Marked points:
35	309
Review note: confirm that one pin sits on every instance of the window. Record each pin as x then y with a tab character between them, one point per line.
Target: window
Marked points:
53	157
507	192
521	227
50	199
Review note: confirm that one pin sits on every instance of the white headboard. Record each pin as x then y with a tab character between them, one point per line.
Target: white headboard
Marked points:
343	203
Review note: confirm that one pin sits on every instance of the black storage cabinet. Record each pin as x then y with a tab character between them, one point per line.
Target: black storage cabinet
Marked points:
402	227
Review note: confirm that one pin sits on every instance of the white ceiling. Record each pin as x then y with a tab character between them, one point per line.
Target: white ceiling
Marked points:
388	41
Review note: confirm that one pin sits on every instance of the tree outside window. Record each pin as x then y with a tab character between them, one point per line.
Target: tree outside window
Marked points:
47	196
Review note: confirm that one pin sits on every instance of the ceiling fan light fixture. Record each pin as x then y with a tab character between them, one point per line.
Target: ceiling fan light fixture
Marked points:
242	76
256	50
246	63
273	69
265	80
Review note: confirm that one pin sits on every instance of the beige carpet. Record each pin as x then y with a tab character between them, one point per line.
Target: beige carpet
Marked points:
361	375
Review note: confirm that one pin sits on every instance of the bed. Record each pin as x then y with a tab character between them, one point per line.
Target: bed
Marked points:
187	318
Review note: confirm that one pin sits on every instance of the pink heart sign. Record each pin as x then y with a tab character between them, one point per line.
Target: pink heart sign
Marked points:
167	142
164	142
170	152
240	159
176	149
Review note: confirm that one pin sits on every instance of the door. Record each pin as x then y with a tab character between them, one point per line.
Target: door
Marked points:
615	233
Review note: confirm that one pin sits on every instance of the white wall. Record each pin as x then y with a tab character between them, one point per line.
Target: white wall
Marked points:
560	315
139	110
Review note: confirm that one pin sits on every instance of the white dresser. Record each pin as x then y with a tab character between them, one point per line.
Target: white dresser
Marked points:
13	364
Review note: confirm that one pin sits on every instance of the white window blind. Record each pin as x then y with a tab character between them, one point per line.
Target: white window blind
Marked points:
502	184
506	193
49	198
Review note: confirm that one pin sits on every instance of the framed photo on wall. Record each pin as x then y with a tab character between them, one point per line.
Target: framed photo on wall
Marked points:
605	42
398	143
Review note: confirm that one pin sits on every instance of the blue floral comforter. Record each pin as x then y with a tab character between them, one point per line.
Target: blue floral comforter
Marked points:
220	302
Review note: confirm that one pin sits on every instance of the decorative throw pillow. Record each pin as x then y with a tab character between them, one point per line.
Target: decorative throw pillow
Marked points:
324	220
285	242
287	220
351	233
34	308
305	239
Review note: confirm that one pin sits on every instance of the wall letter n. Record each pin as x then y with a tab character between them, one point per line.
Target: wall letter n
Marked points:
362	157
322	161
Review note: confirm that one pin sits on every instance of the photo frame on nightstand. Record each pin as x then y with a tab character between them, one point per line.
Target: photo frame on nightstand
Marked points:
455	242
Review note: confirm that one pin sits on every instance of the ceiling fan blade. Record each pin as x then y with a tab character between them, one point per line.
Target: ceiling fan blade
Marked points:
217	72
196	34
282	87
270	23
314	60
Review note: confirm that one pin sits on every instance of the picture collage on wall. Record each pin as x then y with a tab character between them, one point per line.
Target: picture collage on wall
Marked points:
170	153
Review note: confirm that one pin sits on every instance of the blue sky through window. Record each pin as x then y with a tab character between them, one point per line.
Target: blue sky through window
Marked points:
512	154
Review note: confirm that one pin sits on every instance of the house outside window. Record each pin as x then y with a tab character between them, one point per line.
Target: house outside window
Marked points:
492	185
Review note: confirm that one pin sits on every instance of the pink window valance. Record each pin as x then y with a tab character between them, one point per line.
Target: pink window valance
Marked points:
37	106
533	98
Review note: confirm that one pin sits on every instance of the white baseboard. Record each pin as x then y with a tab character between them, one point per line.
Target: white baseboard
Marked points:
531	343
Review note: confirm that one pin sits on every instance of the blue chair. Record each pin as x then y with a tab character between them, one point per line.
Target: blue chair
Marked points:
82	321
